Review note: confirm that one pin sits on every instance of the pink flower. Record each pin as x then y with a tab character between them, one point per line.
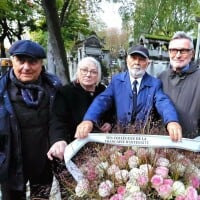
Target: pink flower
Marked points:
165	191
142	180
121	190
191	194
163	171
156	180
195	181
129	153
117	197
180	197
168	181
91	174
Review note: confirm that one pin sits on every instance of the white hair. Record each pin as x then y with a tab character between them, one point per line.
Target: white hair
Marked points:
92	60
183	35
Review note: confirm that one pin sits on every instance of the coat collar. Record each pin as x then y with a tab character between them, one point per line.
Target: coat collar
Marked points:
146	80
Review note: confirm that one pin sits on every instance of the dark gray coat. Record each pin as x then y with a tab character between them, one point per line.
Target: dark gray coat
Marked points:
184	90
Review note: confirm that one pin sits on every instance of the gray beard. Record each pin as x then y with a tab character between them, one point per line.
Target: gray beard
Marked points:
137	73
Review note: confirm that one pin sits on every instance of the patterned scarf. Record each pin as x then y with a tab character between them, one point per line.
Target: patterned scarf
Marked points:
32	93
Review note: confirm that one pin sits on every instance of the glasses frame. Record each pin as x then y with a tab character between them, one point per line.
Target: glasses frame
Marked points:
85	71
183	51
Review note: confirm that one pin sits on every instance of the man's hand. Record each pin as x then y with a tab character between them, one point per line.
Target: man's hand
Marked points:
175	131
83	129
57	150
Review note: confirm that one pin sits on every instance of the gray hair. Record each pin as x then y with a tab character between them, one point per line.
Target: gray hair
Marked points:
183	35
91	60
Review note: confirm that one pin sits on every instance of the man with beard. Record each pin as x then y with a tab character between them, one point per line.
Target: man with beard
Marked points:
135	94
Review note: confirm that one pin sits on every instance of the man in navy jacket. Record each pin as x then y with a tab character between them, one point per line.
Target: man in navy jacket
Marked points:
149	95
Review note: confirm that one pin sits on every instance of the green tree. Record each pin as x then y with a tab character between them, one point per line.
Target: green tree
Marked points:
163	17
15	18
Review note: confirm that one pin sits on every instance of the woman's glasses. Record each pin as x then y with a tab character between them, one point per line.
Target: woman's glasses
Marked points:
85	71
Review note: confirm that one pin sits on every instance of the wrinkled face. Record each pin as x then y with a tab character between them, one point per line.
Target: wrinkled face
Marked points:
180	53
88	74
137	65
26	69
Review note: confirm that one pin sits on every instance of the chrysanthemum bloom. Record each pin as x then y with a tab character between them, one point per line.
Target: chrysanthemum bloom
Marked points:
129	153
156	180
163	171
142	180
178	188
145	169
121	190
112	169
191	193
135	196
168	181
134	173
101	168
165	191
195	181
82	188
117	197
122	176
105	188
162	162
133	161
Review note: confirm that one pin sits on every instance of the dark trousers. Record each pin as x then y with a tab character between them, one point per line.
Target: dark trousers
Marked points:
37	192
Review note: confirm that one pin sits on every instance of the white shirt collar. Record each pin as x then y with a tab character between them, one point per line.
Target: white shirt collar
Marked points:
138	80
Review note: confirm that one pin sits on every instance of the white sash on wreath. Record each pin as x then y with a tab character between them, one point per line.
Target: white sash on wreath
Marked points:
138	140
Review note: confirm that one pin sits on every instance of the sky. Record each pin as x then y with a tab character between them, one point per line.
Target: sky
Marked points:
110	15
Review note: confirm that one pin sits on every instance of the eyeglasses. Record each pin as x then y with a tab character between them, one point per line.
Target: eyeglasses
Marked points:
182	51
85	71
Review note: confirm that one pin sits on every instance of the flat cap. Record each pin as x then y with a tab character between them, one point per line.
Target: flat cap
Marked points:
28	48
139	49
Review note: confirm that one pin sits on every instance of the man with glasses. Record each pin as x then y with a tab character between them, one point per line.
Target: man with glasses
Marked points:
182	83
134	94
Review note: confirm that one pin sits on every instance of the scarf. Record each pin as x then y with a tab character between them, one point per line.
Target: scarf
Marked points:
32	93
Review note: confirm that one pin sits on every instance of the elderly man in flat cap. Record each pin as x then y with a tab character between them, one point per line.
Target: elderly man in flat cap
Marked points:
134	93
26	96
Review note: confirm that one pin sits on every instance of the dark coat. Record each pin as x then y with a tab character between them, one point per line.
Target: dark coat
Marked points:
10	128
150	95
71	103
184	90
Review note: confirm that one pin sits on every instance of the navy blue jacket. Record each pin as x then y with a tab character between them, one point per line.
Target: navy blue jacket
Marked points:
9	127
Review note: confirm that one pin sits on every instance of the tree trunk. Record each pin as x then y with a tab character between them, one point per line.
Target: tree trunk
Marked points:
56	52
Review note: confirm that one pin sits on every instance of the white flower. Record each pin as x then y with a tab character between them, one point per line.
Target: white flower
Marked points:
113	169
134	173
101	167
131	187
162	162
133	161
178	167
105	188
178	188
134	196
114	156
145	169
82	188
122	175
